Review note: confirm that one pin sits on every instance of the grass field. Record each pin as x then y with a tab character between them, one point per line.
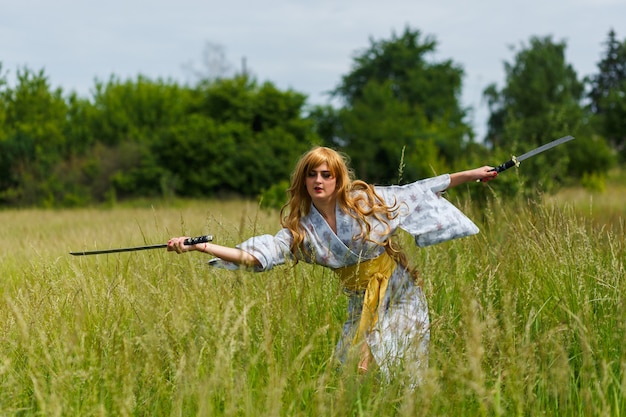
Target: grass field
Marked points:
528	318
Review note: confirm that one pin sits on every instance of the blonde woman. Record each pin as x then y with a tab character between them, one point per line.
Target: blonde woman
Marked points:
344	224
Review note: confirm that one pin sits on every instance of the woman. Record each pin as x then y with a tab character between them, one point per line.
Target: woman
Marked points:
346	225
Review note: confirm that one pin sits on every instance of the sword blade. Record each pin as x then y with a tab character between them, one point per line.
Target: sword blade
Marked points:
545	147
513	162
135	248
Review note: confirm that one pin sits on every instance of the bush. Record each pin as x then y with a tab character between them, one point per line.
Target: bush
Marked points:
275	196
594	182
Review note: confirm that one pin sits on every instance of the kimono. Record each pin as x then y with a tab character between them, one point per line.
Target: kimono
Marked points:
398	339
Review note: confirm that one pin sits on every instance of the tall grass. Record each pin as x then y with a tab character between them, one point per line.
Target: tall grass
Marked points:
528	319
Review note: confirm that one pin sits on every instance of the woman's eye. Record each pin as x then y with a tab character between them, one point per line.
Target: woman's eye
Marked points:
324	174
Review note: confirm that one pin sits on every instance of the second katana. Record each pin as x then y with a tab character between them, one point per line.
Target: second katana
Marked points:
515	161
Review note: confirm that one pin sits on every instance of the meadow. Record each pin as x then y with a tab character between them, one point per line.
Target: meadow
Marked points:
528	317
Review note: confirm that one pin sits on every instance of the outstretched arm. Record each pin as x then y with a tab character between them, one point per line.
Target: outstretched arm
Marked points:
225	253
483	174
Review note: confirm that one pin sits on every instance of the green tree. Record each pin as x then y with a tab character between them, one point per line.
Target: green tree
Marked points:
397	101
123	125
136	110
607	94
381	132
3	104
241	138
197	155
33	139
325	122
541	101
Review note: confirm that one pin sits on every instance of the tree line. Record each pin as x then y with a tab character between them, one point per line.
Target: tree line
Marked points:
399	119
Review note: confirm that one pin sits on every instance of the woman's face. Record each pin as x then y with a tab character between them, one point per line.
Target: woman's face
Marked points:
321	184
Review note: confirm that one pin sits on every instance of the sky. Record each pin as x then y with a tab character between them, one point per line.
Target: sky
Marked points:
304	45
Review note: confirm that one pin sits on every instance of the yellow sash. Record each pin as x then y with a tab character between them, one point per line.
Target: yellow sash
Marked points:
372	276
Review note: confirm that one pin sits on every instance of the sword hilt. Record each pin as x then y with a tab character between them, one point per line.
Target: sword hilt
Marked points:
195	240
508	164
513	162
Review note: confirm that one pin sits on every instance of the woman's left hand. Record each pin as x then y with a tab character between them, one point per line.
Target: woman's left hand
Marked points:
484	174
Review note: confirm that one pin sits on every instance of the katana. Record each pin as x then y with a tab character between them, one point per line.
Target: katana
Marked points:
515	161
187	242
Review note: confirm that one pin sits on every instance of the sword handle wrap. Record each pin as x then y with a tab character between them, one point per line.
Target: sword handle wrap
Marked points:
508	164
200	239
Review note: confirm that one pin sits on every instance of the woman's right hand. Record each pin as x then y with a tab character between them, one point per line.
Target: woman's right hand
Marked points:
177	244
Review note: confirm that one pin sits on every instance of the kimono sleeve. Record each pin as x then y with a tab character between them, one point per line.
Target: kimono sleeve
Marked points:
269	250
425	214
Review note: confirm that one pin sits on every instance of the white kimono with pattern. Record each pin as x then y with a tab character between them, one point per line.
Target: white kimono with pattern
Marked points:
401	335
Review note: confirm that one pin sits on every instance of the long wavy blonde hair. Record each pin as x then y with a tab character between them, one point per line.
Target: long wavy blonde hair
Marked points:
360	205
